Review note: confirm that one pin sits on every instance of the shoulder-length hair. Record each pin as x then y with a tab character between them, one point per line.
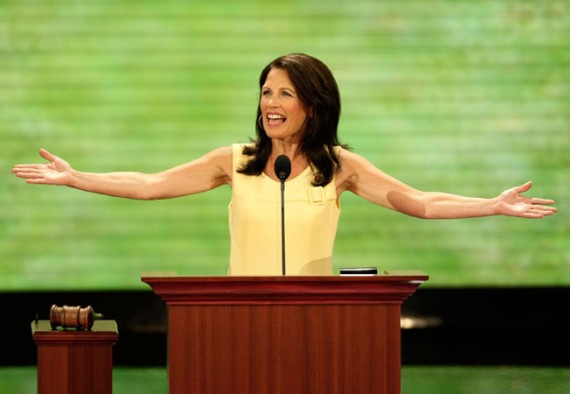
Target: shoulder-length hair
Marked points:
317	89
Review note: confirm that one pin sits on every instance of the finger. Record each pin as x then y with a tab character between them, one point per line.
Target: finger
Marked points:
524	187
539	212
535	214
24	167
546	210
530	215
36	181
27	174
542	201
542	208
46	155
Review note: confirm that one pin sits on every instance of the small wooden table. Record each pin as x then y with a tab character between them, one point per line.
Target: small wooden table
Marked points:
72	361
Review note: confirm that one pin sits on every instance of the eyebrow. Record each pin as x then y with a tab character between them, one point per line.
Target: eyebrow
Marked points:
282	88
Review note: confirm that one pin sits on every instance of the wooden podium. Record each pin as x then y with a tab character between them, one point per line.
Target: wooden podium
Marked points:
285	334
74	361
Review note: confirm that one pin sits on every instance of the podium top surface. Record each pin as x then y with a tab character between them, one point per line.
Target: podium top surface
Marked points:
383	276
387	287
102	331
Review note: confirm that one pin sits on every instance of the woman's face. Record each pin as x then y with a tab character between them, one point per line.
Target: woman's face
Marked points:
284	115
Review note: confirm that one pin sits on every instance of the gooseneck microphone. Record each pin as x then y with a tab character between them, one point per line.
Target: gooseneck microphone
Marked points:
282	170
282	167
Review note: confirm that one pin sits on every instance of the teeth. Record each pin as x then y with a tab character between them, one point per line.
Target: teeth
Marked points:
274	117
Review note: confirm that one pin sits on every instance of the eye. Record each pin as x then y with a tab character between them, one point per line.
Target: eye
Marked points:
265	92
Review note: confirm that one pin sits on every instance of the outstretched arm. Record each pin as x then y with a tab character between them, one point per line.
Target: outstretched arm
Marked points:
362	178
511	202
205	173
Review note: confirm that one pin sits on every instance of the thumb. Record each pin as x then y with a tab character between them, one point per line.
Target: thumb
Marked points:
46	155
524	187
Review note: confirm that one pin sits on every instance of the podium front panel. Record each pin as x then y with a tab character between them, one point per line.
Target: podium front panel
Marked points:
284	334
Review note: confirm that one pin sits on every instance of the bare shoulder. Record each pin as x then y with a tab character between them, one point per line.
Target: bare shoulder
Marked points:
351	164
206	172
221	159
221	154
358	175
350	159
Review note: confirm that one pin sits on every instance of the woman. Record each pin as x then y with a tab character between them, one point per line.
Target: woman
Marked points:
297	116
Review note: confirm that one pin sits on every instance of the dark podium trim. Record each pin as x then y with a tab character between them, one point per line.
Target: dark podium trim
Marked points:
394	286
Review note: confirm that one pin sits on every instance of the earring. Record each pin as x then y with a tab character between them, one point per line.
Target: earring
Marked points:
260	121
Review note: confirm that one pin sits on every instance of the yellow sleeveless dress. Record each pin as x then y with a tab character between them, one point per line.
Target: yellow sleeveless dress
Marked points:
311	220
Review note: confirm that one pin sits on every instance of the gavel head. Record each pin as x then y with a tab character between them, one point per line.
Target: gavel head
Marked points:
72	317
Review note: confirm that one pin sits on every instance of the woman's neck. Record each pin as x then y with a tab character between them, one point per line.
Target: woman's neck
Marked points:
299	161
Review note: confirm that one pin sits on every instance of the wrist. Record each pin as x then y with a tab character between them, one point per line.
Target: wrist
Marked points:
496	206
72	179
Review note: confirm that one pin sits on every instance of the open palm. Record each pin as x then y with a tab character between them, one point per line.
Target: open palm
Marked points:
513	203
56	172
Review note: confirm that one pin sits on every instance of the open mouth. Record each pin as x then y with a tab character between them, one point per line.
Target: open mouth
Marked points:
275	119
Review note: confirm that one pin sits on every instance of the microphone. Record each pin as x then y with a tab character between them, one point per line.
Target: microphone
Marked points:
282	167
282	170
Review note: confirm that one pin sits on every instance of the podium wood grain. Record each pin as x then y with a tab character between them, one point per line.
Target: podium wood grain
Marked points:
75	361
284	334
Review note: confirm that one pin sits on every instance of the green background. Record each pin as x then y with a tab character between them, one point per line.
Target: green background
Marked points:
415	380
456	96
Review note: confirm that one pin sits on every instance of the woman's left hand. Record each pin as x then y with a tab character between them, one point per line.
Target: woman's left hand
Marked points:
511	202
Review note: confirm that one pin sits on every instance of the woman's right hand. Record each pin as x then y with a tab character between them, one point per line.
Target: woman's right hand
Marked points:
56	172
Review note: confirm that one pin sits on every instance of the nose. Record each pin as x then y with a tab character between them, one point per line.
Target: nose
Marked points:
271	101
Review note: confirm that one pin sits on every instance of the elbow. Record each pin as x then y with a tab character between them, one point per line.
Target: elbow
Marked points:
150	189
147	197
409	204
143	194
420	213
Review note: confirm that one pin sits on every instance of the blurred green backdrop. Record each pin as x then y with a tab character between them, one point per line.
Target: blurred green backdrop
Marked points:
447	95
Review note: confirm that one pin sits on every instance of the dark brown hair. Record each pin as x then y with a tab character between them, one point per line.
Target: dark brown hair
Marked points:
318	90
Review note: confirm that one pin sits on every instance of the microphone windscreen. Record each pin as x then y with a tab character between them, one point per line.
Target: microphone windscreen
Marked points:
282	167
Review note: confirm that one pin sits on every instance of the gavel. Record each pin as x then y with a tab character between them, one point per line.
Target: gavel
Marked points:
73	317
